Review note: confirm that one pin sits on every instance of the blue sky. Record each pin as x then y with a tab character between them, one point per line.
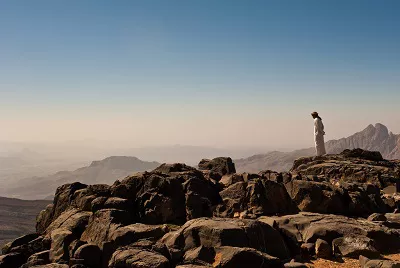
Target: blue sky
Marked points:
241	68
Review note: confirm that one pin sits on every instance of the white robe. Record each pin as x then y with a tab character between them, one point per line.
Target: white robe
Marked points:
319	137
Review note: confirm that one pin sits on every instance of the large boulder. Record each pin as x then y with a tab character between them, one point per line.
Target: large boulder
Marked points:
25	248
217	167
365	199
40	258
256	198
63	197
170	194
60	242
363	154
160	199
227	232
72	220
129	234
368	263
201	197
354	199
320	197
44	219
230	179
12	260
89	254
111	228
231	257
127	257
103	224
177	168
309	227
74	195
19	242
352	246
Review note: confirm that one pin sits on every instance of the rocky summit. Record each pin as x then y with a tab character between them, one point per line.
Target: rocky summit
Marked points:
178	216
372	138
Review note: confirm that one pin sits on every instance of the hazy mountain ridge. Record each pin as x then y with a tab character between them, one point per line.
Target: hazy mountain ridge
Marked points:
104	171
372	138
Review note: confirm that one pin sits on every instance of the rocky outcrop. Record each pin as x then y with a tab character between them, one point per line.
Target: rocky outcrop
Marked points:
372	138
350	166
217	167
353	246
230	257
179	216
255	198
350	237
135	257
321	196
368	263
227	232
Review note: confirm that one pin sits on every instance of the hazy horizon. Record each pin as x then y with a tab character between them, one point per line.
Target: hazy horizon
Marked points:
206	73
106	148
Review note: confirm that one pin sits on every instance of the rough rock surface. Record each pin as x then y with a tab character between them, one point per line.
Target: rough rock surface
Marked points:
228	232
255	198
218	167
180	216
322	249
353	246
350	166
376	263
309	227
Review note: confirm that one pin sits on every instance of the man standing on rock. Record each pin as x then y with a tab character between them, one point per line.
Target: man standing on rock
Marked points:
319	134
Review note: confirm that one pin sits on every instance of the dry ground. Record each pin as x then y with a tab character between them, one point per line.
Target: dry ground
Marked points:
18	217
350	263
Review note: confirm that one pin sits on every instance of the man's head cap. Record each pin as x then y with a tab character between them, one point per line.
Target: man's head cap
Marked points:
314	113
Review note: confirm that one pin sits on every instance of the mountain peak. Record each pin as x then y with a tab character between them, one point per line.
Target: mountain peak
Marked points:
373	138
381	128
115	159
378	130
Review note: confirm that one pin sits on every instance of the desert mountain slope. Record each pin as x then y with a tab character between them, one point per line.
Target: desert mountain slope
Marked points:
17	217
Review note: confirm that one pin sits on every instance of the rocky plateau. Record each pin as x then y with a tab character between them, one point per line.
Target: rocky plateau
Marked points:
329	207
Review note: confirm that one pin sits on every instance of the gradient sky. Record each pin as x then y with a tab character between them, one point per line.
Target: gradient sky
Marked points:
218	73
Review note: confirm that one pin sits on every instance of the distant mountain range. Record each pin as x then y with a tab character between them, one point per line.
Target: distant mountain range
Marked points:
18	217
104	171
372	138
38	186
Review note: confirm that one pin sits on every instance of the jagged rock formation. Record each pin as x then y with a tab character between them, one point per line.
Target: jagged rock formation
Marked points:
373	138
179	216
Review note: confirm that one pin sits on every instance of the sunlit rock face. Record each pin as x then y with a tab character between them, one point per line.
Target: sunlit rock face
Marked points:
181	216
